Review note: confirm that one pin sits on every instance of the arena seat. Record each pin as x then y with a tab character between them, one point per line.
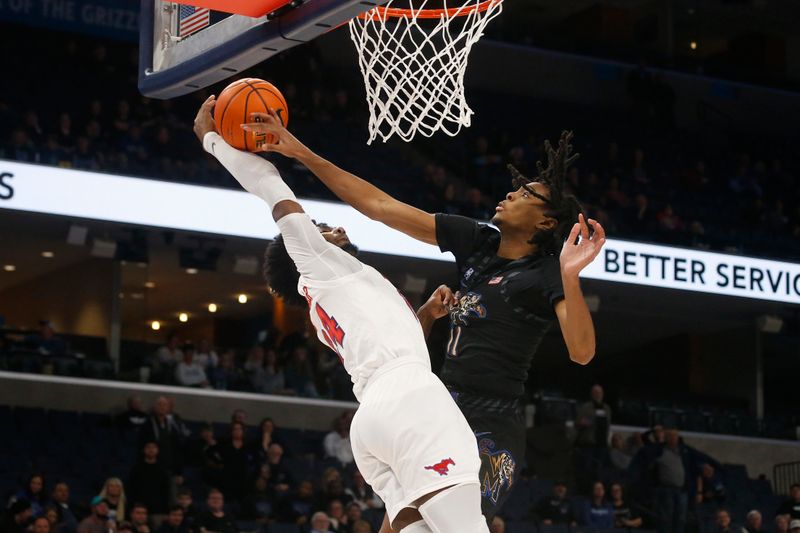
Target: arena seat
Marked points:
519	502
283	528
521	527
553	528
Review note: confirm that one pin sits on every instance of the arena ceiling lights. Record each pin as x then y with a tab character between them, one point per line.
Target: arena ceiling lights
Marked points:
145	202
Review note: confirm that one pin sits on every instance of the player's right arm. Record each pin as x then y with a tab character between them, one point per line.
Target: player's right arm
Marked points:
256	175
314	257
362	195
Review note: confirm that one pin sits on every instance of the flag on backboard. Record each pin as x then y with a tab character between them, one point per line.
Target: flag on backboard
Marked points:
192	19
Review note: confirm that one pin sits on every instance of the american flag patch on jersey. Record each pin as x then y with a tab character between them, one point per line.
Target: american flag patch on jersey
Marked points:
192	19
495	281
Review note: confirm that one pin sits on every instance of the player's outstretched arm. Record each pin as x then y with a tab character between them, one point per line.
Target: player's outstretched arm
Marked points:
573	314
365	197
255	174
314	257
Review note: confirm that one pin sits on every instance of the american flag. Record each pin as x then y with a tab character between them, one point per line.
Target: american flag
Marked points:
192	19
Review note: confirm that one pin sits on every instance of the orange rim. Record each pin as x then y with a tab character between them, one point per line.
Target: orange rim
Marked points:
393	12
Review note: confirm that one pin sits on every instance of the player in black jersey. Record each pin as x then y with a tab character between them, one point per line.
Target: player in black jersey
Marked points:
514	282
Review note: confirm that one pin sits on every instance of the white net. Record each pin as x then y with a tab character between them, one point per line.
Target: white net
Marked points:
414	66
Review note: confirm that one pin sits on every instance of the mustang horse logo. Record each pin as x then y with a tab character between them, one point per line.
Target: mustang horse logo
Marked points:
442	467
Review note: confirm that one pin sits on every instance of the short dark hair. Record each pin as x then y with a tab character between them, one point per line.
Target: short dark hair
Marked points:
281	273
138	505
175	507
184	491
125	525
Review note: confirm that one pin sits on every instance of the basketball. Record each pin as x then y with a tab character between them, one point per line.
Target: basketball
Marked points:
237	102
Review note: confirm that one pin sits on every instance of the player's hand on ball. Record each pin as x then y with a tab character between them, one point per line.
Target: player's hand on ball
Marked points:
283	142
440	302
577	254
204	121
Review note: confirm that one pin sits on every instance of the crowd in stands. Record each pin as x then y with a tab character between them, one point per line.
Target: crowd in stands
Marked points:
294	367
152	471
638	174
174	476
297	365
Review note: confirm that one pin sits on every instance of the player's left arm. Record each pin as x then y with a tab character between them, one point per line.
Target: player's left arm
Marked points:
437	306
572	312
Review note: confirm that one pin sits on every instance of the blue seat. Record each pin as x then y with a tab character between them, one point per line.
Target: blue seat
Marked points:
695	421
23	361
91	421
98	369
284	528
760	487
554	528
736	477
519	502
34	418
247	527
65	422
540	488
65	366
520	527
300	468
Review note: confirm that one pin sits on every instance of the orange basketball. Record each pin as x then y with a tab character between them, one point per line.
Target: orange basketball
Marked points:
236	103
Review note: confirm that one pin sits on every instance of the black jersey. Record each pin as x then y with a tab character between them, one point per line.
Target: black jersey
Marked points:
505	309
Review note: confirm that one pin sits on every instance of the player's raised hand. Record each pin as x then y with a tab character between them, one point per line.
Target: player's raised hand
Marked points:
577	254
281	141
440	302
204	121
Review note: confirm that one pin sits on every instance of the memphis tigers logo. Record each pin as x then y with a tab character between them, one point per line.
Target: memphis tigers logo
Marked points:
499	467
468	306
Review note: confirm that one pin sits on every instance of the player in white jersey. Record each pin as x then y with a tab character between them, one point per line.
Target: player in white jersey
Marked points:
410	440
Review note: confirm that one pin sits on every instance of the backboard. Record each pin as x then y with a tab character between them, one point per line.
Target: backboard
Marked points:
184	47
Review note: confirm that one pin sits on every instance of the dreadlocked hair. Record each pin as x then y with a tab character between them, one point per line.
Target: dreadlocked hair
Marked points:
281	274
561	205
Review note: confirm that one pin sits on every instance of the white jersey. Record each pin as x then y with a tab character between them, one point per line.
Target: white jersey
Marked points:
366	321
356	311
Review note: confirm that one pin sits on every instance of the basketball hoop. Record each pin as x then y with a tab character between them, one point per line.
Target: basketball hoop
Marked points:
413	61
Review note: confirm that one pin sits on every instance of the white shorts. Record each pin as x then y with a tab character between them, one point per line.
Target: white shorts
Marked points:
409	438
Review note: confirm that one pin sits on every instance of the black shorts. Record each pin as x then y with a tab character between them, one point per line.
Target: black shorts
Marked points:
499	427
